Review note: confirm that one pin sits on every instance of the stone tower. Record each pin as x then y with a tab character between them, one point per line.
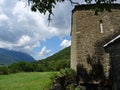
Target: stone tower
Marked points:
90	34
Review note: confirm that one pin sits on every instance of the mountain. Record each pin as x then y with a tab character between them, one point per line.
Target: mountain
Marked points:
10	56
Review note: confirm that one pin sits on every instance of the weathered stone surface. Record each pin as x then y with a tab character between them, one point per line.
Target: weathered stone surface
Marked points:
88	56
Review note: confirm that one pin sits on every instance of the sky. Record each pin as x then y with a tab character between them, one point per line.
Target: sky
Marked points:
30	32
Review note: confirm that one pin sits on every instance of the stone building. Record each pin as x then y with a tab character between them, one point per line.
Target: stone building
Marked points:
95	48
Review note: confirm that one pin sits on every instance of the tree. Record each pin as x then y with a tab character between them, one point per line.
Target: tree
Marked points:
44	6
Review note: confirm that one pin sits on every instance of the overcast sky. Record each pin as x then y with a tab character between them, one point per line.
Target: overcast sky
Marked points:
27	31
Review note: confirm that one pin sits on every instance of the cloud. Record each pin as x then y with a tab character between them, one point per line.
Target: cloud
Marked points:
65	43
1	2
44	52
23	30
25	39
3	17
62	18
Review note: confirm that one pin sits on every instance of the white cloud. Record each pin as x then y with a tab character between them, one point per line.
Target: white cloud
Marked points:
25	39
5	45
23	30
3	17
65	43
1	2
25	44
44	52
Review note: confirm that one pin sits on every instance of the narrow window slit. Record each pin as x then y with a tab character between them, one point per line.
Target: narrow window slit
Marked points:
101	26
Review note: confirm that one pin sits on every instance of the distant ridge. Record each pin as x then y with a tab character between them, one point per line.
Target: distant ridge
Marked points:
63	54
10	56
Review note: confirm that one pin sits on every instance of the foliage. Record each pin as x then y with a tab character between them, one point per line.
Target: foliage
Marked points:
4	70
44	6
54	65
54	76
66	72
69	73
22	66
55	62
66	78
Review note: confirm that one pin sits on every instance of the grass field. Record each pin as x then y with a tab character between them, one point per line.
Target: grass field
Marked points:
26	81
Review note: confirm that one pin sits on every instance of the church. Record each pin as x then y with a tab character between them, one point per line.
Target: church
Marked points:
95	45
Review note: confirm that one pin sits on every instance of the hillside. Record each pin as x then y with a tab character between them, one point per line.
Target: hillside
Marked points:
10	56
61	55
57	61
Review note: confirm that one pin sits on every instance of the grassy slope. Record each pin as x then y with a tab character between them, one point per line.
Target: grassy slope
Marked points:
26	81
57	61
61	55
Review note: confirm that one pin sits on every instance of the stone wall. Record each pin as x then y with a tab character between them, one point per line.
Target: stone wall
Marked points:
88	56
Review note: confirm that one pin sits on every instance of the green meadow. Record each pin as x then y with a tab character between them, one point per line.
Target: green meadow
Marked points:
26	81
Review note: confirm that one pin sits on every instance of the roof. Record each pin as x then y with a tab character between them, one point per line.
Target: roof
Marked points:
112	41
92	6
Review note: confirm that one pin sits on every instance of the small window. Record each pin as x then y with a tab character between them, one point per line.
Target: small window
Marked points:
101	26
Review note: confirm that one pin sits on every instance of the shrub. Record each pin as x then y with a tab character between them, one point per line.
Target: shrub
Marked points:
70	73
4	70
66	79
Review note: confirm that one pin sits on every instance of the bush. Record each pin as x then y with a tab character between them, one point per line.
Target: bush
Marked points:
4	70
70	73
66	80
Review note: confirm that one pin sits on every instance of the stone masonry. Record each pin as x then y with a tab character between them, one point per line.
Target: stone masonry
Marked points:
89	34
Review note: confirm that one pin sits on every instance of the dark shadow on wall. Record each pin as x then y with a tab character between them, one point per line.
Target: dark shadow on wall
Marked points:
96	73
95	78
